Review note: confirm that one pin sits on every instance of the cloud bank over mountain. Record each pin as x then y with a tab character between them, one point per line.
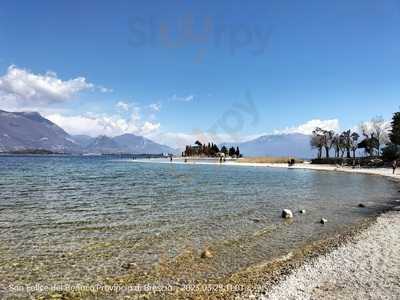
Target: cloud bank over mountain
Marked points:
103	124
309	126
29	130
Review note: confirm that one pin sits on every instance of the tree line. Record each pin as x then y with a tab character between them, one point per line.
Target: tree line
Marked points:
377	137
209	149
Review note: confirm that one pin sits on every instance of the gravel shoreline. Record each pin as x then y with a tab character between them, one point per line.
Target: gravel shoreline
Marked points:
367	268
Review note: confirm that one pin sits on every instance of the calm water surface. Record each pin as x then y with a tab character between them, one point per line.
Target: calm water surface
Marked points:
82	219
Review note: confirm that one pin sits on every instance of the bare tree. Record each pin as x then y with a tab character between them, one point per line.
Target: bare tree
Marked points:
336	145
381	129
322	139
328	141
316	143
346	141
354	143
376	129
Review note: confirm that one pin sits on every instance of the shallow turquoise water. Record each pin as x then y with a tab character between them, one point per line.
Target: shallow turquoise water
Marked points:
78	219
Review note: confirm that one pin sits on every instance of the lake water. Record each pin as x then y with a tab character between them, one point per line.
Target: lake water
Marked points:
94	219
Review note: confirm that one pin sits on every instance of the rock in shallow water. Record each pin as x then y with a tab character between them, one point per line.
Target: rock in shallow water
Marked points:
287	214
206	254
302	211
323	221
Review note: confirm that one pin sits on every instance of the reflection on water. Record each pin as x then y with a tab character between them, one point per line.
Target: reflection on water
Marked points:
83	219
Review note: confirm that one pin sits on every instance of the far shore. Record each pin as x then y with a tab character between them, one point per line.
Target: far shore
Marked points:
277	163
387	172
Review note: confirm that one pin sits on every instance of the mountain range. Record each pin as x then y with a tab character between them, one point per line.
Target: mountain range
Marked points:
29	130
126	143
293	145
20	131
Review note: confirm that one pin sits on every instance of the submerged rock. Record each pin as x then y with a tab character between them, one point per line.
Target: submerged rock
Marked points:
361	205
206	254
323	221
128	265
287	214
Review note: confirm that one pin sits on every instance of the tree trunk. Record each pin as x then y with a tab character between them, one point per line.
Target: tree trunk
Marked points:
327	152
348	152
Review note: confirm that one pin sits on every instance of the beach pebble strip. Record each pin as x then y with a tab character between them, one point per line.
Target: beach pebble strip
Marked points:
368	268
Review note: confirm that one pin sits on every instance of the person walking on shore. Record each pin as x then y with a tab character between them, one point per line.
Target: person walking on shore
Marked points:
394	166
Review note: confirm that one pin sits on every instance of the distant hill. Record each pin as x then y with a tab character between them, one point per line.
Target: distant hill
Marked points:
83	140
126	143
295	144
29	130
103	144
21	131
139	144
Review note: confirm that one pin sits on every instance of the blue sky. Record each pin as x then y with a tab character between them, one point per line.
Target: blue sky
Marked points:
144	66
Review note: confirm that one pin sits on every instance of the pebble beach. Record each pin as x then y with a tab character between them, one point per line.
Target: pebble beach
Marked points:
367	268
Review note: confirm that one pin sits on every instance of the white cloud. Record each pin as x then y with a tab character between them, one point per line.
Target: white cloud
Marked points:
309	126
104	89
149	127
123	105
20	88
177	98
111	125
127	120
155	107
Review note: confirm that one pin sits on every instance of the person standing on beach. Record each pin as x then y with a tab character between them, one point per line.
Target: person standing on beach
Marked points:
394	166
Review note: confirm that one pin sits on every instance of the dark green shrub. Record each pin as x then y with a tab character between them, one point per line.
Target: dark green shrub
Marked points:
391	152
